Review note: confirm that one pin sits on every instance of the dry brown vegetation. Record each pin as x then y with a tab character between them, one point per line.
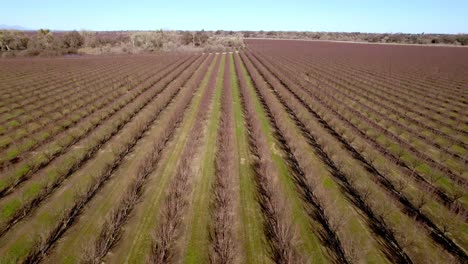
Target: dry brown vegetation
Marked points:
165	235
46	43
223	246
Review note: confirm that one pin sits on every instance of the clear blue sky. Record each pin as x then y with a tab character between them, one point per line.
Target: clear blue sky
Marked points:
449	16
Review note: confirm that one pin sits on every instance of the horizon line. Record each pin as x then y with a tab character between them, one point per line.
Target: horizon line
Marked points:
20	28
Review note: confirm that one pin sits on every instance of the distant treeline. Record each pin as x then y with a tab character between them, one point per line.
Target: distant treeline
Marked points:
55	43
52	43
447	39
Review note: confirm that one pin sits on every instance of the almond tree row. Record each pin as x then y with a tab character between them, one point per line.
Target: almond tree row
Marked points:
42	93
115	220
54	225
371	87
49	152
80	90
304	97
64	124
19	203
279	230
415	163
164	247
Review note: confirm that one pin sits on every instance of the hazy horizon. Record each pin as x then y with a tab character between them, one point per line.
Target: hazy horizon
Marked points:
438	17
21	28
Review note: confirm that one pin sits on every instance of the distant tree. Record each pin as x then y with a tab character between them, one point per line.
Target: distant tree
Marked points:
89	38
150	41
447	39
73	40
200	38
43	31
4	40
396	38
44	39
158	39
463	40
20	41
13	40
187	38
6	37
316	36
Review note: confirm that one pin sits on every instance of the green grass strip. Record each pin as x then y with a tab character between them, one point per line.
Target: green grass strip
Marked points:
310	244
198	238
135	248
255	246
